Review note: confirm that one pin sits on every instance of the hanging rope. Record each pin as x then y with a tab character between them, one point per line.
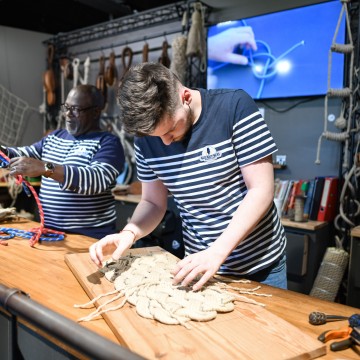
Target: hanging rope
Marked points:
345	93
35	234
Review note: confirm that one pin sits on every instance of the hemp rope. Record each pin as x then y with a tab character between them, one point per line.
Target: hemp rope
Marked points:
146	283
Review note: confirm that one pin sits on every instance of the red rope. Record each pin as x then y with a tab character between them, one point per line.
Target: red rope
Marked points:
38	231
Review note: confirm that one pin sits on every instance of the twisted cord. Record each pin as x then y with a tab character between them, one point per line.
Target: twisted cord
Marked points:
343	93
342	48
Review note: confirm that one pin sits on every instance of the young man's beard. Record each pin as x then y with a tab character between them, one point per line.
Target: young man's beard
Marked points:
188	126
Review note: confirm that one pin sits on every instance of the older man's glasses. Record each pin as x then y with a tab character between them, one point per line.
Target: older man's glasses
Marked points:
76	111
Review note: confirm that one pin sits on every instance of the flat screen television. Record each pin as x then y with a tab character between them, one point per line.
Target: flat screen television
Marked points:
292	55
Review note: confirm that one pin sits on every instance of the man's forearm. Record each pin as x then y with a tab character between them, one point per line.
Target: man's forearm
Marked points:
146	218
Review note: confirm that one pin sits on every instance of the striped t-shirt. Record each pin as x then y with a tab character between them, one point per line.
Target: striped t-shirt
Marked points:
83	203
203	174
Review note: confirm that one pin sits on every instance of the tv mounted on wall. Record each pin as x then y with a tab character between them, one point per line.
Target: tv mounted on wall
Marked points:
292	53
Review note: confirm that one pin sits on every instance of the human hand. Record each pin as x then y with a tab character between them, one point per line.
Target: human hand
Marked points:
26	166
114	244
222	45
204	263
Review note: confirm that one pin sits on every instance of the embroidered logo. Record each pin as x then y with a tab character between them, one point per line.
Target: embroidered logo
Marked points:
209	153
82	150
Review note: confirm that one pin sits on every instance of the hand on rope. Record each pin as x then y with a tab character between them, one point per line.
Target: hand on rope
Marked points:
36	234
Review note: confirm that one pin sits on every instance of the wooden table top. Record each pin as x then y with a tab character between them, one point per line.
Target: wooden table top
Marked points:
42	273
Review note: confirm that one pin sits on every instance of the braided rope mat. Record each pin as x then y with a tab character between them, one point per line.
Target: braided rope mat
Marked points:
146	282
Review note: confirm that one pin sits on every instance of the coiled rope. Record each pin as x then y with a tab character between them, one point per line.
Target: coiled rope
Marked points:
37	234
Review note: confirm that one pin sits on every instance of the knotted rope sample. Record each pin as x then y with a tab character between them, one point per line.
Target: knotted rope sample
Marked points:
146	283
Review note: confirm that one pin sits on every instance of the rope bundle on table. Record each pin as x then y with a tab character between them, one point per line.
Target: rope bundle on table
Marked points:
145	281
35	234
46	235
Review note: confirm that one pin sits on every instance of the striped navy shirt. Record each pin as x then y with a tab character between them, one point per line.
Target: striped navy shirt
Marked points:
83	203
203	173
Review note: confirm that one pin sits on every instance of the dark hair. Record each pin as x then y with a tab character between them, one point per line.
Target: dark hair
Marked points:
97	98
147	92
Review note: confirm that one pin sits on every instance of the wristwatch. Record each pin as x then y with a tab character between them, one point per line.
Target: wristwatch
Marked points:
49	169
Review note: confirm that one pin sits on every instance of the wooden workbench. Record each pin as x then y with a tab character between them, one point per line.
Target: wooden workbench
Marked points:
43	274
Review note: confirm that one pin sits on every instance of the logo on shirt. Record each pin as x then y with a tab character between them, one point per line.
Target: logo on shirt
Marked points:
81	150
209	153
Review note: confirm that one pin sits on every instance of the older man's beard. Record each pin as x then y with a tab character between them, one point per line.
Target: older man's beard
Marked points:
72	127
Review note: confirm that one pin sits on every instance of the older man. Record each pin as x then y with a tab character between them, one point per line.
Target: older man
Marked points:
79	167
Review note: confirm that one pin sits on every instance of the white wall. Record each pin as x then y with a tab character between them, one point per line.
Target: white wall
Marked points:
22	63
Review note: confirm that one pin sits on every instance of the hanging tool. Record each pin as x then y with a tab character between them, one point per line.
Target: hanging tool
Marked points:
126	59
164	58
100	79
111	72
49	76
145	52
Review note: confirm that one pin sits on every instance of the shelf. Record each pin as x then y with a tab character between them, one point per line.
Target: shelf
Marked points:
305	225
278	166
355	231
5	184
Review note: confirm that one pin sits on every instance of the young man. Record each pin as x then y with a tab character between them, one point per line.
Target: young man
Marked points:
79	167
212	150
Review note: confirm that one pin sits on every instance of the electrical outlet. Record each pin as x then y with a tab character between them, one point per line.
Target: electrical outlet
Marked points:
280	159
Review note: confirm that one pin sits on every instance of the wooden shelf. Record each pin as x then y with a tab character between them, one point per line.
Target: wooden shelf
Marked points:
4	184
305	225
128	198
5	174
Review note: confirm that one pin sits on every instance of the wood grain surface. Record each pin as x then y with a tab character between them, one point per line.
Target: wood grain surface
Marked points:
43	273
249	332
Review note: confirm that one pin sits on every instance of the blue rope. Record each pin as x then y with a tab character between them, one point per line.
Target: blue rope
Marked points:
28	235
269	59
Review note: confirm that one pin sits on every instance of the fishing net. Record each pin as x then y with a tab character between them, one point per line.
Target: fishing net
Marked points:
12	115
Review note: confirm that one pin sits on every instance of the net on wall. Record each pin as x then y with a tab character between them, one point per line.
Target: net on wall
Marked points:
12	115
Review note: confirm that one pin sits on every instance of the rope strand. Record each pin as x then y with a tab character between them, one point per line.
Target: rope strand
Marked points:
35	234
